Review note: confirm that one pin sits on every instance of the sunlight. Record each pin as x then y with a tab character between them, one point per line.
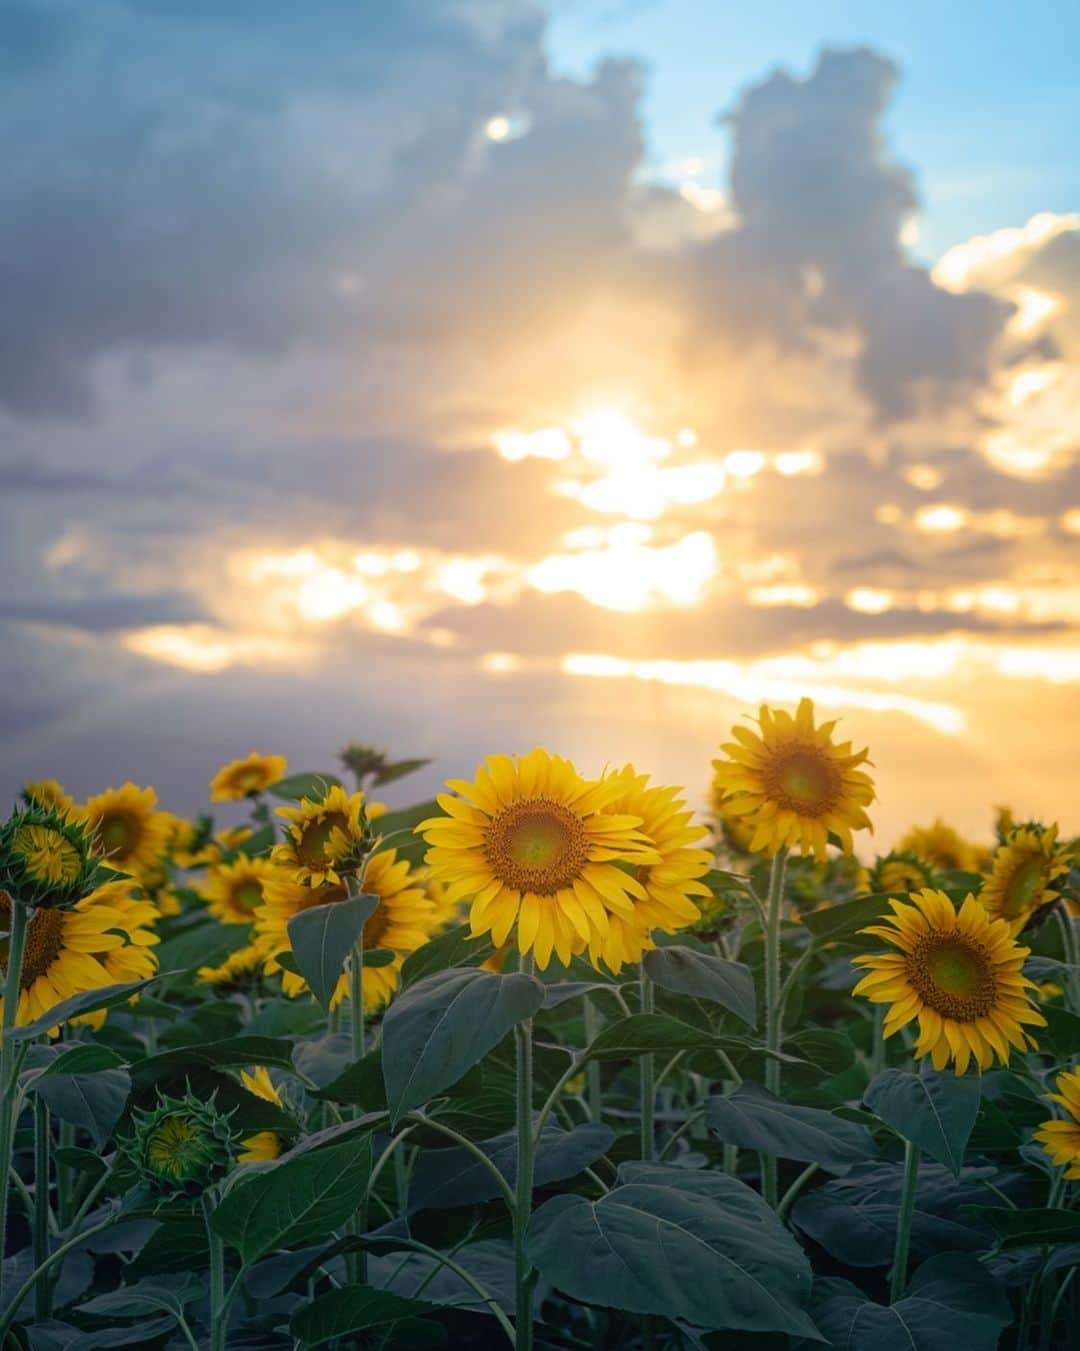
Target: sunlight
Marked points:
628	575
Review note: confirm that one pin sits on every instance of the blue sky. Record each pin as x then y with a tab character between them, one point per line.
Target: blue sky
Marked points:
985	110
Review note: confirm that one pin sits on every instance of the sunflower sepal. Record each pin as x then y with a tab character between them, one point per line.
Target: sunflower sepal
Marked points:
46	859
179	1148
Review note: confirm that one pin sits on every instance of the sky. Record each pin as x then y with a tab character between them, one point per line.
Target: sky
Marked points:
465	375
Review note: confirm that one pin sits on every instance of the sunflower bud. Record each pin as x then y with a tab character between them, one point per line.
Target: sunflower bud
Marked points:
46	860
181	1146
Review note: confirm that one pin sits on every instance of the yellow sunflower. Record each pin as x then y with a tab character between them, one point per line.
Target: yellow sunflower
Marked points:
49	858
1061	1139
129	833
321	836
899	873
733	830
1022	873
402	922
234	891
529	841
959	973
247	778
63	953
238	968
792	784
669	884
135	960
263	1145
942	847
49	794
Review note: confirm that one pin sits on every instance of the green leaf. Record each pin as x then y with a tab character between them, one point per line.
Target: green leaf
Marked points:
146	1297
643	1033
295	1201
377	956
323	937
409	846
297	786
696	1246
229	1052
398	770
207	943
349	1310
454	948
259	842
935	1111
93	1101
1015	1227
1061	1035
81	1058
443	1025
104	998
684	971
360	1084
952	1301
752	1118
841	923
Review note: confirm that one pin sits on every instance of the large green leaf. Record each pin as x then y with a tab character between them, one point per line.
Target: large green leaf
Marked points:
230	1051
952	1301
685	971
297	786
752	1118
350	1310
322	938
78	1058
841	923
443	1025
690	1245
397	828
456	947
643	1033
207	943
104	998
94	1101
296	1201
1015	1227
935	1111
152	1295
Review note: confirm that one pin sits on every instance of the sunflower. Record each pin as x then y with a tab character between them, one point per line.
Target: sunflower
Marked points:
668	884
402	922
234	891
942	847
1061	1139
241	967
128	832
63	953
322	837
959	973
49	857
735	833
48	793
530	841
135	960
792	784
898	873
247	778
1021	875
263	1145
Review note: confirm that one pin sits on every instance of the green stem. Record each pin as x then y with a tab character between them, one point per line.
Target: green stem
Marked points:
898	1273
1070	944
792	1194
64	1178
356	998
877	1052
648	1078
469	1279
593	1094
42	1151
218	1308
57	1255
523	1322
12	986
773	1011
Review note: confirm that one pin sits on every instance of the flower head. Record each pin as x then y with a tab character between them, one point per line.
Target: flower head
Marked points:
792	784
130	834
234	891
247	778
1061	1139
325	837
959	973
180	1146
942	847
263	1145
900	872
45	858
240	968
1022	873
531	843
134	959
49	794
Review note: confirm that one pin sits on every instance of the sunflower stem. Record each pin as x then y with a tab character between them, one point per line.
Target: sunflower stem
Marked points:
356	1262
42	1172
648	1078
774	1013
898	1272
523	1322
12	986
218	1309
593	1094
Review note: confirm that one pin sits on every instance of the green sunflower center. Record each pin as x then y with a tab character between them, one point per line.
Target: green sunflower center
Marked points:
176	1148
537	845
47	856
1023	888
248	895
44	941
250	780
803	779
118	834
314	844
954	976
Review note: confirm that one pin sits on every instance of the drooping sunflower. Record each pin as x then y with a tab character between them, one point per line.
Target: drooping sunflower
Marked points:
48	793
959	973
322	837
135	959
1061	1139
1022	873
792	784
130	834
898	873
62	953
247	778
944	848
263	1145
669	885
530	842
401	922
234	891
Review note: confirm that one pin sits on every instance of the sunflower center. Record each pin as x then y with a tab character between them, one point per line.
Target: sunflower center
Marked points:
953	976
375	927
536	845
118	834
47	855
248	895
250	781
803	780
176	1148
313	846
1023	888
43	945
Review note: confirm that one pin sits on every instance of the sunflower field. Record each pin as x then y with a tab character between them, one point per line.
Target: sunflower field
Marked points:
544	1063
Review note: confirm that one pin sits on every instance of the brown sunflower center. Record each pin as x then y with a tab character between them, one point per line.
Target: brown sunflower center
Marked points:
44	941
250	780
248	894
118	834
536	845
312	848
953	975
803	780
1023	887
